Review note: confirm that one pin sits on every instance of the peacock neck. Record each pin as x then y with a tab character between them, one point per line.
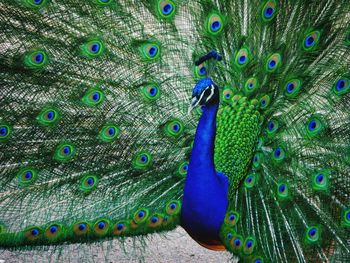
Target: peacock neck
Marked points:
203	148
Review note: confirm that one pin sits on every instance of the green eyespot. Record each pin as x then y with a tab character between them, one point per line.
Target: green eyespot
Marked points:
273	62
264	102
151	92
35	4
292	88
201	70
93	97
150	51
320	180
312	235
346	218
48	116
231	218
269	11
272	127
311	40
5	131
166	8
227	95
278	154
141	216
214	24
249	245
109	133
242	58
142	160
88	183
341	86
173	208
182	170
92	48
54	232
251	85
36	59
251	180
283	191
64	152
101	227
314	126
33	233
27	176
174	128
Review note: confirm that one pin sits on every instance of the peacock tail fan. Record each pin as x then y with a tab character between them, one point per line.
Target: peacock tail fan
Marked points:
95	137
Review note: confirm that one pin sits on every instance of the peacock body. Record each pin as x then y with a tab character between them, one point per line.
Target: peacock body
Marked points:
97	143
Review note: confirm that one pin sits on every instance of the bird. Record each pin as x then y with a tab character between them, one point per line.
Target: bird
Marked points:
123	118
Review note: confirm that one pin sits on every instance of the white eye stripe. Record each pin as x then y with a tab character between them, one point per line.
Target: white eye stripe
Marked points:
211	93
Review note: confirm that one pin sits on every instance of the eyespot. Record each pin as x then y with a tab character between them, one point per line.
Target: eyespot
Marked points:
278	155
341	86
109	133
48	117
292	88
250	180
5	131
236	243
26	176
257	160
273	62
151	92
120	228
93	97
282	190
183	168
33	233
64	152
231	218
251	85
92	48
242	58
260	143
173	208
214	24
166	8
320	180
227	95
174	128
249	245
142	160
201	70
35	4
101	227
81	228
314	127
346	218
272	127
53	231
265	102
141	216
155	220
312	234
150	51
88	183
311	40
36	59
103	2
269	11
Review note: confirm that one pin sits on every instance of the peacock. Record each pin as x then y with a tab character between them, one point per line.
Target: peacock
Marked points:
230	118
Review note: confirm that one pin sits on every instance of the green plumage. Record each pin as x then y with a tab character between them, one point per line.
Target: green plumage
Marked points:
95	137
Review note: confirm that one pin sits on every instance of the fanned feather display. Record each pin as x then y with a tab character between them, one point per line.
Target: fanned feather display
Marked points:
96	139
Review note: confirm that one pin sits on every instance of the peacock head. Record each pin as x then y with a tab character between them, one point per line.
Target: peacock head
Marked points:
204	93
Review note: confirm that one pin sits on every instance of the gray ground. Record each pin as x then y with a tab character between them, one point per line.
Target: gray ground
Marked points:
175	246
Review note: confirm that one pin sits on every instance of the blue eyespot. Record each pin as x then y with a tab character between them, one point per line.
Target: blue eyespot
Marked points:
39	57
232	217
277	153
152	51
82	227
290	87
282	188
249	244
96	96
250	85
167	9
141	214
90	181
270	125
66	150
50	115
249	179
268	12
185	167
340	84
173	206
101	225
272	64
202	71
111	131
53	229
176	127
35	232
237	242
28	175
263	102
320	178
3	131
312	232
120	227
312	125
348	215
154	219
242	59
215	26
152	91
144	158
95	47
309	41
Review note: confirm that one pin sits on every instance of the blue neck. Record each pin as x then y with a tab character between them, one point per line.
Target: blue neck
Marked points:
205	195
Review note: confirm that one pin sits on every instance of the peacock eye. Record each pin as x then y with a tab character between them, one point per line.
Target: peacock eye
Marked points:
92	48
312	234
33	233
214	24
109	133
311	40
174	128
141	216
64	152
242	58
36	59
278	155
183	168
101	227
4	132
93	97
314	126
236	243
35	4
142	160
250	180
173	208
251	85
292	88
320	180
151	92
26	176
341	86
88	183
48	117
269	11
231	218
282	191
249	246
264	102
150	51
81	228
273	62
166	8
